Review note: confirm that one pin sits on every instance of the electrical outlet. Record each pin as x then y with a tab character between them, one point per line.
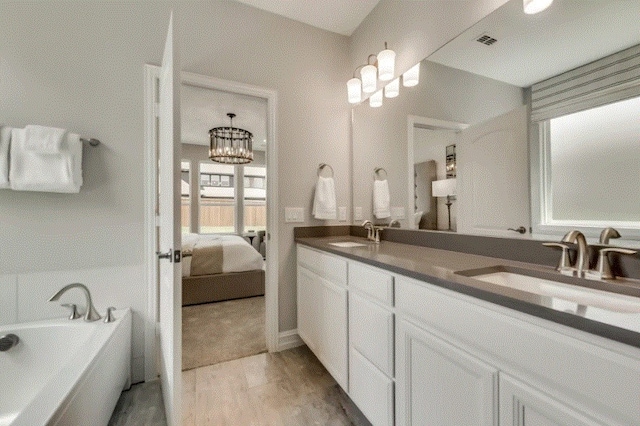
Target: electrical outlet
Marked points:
342	214
357	213
293	214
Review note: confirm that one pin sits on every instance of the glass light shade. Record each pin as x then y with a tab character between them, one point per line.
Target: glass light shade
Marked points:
354	87
535	6
369	79
386	64
412	76
375	100
392	89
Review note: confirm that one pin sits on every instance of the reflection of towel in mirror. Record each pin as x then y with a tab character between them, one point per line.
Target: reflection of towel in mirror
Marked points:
324	201
381	199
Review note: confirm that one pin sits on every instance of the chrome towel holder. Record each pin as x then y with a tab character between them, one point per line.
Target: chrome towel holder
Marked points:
91	141
321	167
377	171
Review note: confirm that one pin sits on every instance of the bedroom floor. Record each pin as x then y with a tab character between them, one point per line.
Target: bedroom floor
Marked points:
222	331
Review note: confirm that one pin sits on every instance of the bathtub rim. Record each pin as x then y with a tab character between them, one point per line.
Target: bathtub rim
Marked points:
50	400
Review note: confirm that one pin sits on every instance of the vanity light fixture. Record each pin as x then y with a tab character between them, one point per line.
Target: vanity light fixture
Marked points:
412	76
535	6
230	145
375	100
392	89
378	67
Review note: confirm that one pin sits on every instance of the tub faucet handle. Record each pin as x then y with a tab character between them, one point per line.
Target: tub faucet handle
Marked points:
74	310
109	315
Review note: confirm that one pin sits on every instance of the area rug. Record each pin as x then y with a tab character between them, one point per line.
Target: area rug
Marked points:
222	331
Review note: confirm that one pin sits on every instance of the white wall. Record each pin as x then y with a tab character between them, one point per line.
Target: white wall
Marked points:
80	65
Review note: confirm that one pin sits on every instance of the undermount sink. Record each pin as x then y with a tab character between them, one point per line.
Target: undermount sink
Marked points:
347	244
528	282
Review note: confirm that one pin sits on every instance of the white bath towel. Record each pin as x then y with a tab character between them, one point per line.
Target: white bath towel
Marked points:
381	199
5	142
324	201
43	140
30	171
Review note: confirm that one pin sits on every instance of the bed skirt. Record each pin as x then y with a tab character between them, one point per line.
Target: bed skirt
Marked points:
219	287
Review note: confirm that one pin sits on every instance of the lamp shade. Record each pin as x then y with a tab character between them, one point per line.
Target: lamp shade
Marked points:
369	79
412	76
392	89
535	6
354	87
443	188
375	100
386	64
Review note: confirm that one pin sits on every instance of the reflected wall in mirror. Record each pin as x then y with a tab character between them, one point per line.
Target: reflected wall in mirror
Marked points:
478	97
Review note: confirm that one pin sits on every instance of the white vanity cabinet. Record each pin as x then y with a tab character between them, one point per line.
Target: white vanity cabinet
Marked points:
322	309
371	342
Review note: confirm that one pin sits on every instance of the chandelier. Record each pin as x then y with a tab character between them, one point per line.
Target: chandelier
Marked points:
230	145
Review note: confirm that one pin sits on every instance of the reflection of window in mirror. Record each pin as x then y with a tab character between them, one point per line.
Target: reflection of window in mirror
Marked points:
593	167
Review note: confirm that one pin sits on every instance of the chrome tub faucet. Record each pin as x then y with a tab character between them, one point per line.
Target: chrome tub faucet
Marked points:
91	313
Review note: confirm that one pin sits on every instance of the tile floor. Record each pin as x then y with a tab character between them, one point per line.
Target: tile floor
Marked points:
289	388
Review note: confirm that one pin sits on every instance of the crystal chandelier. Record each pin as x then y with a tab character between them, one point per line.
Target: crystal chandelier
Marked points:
230	145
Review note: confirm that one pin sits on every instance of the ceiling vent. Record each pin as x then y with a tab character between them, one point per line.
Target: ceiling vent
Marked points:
486	39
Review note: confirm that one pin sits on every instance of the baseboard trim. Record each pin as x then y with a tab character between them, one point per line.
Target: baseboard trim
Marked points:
289	339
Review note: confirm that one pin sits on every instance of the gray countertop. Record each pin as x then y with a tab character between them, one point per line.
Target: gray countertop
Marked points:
440	267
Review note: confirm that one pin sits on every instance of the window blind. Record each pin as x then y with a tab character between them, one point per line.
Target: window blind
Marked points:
612	78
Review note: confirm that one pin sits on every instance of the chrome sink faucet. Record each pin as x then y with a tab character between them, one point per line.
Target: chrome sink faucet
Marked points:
91	313
582	260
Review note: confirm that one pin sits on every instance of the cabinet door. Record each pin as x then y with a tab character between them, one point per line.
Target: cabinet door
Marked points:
439	384
522	405
308	310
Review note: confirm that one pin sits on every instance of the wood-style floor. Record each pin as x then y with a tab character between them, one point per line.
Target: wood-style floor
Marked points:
284	388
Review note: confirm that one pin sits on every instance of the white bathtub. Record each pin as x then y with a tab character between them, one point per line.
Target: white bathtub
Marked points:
65	372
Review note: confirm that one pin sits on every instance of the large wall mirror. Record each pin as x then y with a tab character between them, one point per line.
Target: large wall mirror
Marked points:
543	142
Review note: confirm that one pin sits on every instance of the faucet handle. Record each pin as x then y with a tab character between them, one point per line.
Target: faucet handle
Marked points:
564	265
603	267
108	317
74	310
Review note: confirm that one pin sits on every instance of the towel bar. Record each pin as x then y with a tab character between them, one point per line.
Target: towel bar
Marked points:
90	141
322	166
376	172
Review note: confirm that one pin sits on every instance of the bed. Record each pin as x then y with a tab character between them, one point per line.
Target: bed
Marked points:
219	267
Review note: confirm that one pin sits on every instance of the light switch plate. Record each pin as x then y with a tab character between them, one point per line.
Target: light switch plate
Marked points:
342	214
357	213
294	214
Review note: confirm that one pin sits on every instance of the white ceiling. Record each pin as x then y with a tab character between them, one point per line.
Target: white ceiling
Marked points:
338	16
203	109
532	48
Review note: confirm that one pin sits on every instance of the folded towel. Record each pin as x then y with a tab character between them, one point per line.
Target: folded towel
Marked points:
324	201
381	199
30	171
43	140
5	142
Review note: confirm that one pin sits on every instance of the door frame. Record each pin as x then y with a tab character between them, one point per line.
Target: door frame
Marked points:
151	73
414	121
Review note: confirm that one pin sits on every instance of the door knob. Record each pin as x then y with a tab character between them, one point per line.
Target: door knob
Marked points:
167	255
519	230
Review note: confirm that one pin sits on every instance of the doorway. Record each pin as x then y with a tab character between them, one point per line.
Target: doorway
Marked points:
270	260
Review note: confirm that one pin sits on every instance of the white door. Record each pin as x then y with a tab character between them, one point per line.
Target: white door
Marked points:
439	384
522	405
493	176
170	328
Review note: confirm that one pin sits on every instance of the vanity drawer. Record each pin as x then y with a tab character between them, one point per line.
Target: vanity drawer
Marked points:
327	266
371	390
371	332
372	282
